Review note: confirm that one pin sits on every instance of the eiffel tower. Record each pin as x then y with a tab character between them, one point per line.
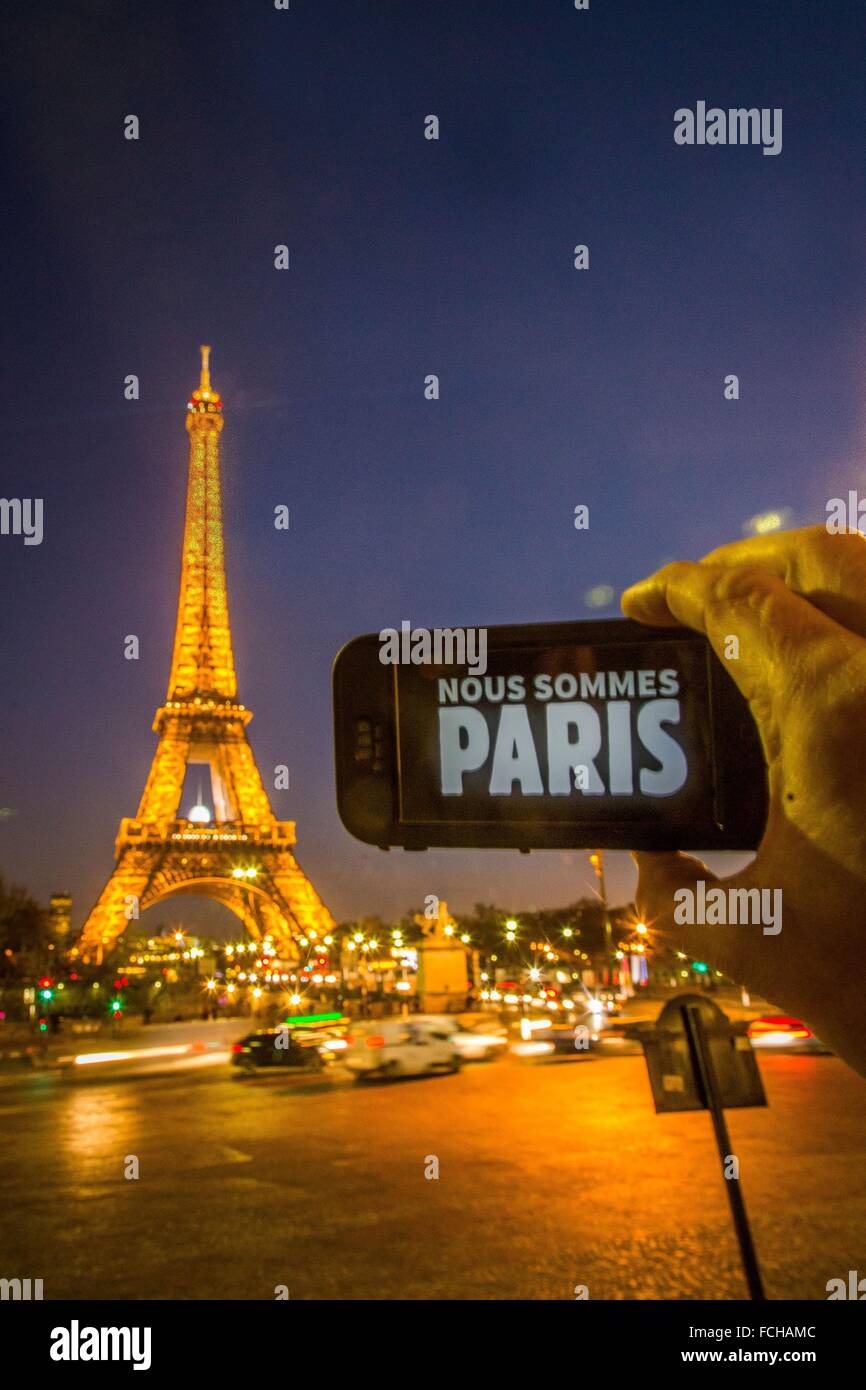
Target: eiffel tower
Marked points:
243	857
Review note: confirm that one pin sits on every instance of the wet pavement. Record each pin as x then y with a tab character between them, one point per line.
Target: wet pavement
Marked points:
551	1175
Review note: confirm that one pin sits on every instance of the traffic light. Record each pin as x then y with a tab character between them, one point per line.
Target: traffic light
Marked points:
46	989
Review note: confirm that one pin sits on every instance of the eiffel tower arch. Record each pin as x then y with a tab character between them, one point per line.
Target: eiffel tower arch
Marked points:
243	856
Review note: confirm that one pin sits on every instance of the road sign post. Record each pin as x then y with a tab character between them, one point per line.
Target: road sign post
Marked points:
703	1063
698	1060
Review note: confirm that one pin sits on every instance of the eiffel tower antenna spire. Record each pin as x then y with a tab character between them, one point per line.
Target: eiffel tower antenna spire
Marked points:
204	384
241	856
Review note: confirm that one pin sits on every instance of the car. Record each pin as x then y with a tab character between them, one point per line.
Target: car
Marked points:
543	1036
392	1047
476	1041
299	1047
505	993
782	1033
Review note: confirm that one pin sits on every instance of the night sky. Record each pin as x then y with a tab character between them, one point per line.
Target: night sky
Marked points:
408	257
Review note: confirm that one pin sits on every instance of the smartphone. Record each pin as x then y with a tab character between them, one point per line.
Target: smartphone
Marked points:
607	735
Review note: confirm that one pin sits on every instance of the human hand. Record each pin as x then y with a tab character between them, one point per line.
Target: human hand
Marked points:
796	601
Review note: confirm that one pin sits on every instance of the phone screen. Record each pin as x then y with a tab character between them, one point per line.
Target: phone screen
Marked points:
565	734
561	734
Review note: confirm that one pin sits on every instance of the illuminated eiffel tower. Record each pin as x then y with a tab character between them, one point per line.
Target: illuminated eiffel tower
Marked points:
243	857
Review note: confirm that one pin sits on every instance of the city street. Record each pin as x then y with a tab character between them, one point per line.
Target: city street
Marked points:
551	1175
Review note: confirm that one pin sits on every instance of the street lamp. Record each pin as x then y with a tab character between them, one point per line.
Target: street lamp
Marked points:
596	859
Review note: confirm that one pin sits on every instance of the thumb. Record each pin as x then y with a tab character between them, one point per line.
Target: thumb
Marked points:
660	877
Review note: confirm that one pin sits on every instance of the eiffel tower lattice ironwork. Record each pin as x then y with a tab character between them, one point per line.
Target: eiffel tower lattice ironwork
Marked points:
243	857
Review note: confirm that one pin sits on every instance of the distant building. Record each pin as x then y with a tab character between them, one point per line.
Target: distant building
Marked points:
60	916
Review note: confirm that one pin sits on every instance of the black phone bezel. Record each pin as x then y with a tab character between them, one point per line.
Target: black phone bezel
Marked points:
368	793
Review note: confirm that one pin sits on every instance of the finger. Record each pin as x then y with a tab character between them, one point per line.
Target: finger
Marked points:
665	882
777	631
658	876
827	569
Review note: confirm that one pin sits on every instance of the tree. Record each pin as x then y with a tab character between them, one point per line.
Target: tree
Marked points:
24	933
584	918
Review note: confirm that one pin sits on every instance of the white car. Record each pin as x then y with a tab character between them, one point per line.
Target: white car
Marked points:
415	1046
475	1044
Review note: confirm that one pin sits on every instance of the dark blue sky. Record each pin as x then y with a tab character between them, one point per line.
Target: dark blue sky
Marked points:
408	257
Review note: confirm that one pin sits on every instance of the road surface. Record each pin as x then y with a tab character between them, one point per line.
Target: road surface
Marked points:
551	1175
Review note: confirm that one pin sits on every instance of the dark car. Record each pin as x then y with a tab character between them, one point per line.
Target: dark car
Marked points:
299	1049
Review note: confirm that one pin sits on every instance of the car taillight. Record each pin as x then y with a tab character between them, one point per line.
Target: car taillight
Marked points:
237	1047
375	1040
781	1024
